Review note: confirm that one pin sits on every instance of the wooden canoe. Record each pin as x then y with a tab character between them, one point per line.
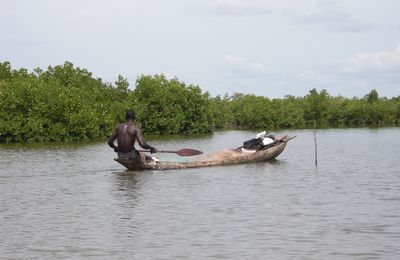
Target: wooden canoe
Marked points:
227	157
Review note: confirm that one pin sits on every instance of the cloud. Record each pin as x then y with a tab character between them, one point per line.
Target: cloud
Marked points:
242	67
379	63
316	77
333	18
239	7
328	14
367	64
363	70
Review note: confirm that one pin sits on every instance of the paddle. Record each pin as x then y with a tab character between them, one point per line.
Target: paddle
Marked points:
181	152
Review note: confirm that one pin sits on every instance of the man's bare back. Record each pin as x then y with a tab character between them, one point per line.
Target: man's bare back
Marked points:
126	135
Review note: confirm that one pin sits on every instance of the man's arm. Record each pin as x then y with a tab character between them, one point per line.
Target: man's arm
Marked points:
111	141
142	143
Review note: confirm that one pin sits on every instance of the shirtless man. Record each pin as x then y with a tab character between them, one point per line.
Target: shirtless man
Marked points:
126	135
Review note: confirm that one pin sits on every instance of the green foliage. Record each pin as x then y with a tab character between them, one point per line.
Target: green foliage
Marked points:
288	113
316	107
61	103
221	112
170	107
249	111
67	103
372	96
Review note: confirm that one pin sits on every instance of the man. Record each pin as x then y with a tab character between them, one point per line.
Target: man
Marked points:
126	135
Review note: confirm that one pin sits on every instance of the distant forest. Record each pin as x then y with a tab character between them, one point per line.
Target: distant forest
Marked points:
65	102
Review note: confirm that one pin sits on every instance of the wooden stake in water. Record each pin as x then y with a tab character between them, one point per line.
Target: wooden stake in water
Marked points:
315	143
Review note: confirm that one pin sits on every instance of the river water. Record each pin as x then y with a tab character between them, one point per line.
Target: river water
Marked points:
72	201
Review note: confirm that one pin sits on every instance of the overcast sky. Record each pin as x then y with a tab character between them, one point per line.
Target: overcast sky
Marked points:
266	47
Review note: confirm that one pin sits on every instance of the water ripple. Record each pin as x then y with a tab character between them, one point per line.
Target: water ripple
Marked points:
74	201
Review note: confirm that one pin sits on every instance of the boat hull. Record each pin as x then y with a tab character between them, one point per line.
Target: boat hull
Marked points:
228	157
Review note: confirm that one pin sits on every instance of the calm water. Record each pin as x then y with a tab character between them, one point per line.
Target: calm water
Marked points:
73	201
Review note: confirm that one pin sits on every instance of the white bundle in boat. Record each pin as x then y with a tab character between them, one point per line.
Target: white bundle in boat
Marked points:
266	140
261	135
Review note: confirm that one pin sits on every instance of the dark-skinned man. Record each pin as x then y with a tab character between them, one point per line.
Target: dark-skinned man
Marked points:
126	135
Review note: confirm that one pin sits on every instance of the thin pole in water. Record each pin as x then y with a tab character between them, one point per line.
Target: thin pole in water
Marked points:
315	143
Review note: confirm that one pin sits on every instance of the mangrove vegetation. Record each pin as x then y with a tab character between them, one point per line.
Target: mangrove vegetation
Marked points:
65	102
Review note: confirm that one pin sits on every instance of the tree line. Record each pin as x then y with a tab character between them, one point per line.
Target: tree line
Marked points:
65	102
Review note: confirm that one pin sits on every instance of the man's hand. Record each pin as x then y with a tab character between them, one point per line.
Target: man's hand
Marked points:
116	149
153	150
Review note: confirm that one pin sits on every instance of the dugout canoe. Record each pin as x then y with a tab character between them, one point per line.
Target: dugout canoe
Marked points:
227	157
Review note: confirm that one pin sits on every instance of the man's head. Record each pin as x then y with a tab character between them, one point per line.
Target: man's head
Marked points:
130	115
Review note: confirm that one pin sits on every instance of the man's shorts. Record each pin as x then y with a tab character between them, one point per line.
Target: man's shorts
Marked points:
129	155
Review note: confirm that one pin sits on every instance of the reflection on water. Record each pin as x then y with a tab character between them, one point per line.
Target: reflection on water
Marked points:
127	185
74	201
